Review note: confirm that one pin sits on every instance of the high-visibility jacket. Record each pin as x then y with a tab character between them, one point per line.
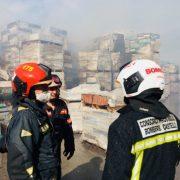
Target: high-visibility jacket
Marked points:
142	146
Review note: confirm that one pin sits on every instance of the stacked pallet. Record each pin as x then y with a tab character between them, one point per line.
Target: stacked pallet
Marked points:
143	46
172	78
96	123
101	63
52	55
26	42
99	67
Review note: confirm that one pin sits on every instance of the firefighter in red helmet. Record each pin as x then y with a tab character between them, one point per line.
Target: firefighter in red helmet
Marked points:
60	118
29	142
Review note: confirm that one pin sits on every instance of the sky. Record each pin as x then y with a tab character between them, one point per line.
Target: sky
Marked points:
87	19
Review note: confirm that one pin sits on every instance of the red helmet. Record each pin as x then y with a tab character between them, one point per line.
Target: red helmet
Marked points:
29	74
56	82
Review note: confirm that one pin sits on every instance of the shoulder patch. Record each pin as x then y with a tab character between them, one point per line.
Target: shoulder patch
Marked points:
151	126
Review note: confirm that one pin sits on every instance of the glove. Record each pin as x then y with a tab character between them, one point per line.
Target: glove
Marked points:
69	146
68	154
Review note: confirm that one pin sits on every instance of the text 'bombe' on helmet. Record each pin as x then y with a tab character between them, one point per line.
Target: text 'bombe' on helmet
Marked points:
140	75
29	74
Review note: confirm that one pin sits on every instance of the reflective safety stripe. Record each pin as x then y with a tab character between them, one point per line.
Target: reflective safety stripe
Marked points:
20	108
137	166
30	170
44	128
139	147
25	133
155	141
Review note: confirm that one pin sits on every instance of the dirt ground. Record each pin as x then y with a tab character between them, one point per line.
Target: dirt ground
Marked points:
86	164
3	172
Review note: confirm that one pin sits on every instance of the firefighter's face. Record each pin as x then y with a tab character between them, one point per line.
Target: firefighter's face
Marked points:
54	92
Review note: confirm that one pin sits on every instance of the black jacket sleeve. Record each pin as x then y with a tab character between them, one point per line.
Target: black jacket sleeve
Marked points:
63	124
119	159
3	132
3	148
23	136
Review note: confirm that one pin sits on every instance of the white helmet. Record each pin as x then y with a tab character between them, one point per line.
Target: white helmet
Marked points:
140	75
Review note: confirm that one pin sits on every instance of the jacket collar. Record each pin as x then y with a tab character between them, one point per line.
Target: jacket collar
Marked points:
148	103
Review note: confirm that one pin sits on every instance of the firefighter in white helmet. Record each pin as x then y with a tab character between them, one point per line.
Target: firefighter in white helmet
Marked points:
143	141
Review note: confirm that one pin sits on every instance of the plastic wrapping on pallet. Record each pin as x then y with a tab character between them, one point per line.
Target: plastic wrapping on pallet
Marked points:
175	87
91	80
174	77
104	62
170	68
100	65
143	45
5	113
166	92
92	65
105	80
116	98
96	124
74	94
75	111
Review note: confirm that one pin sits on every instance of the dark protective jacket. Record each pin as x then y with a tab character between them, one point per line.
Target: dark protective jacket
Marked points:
3	129
62	126
143	142
29	142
